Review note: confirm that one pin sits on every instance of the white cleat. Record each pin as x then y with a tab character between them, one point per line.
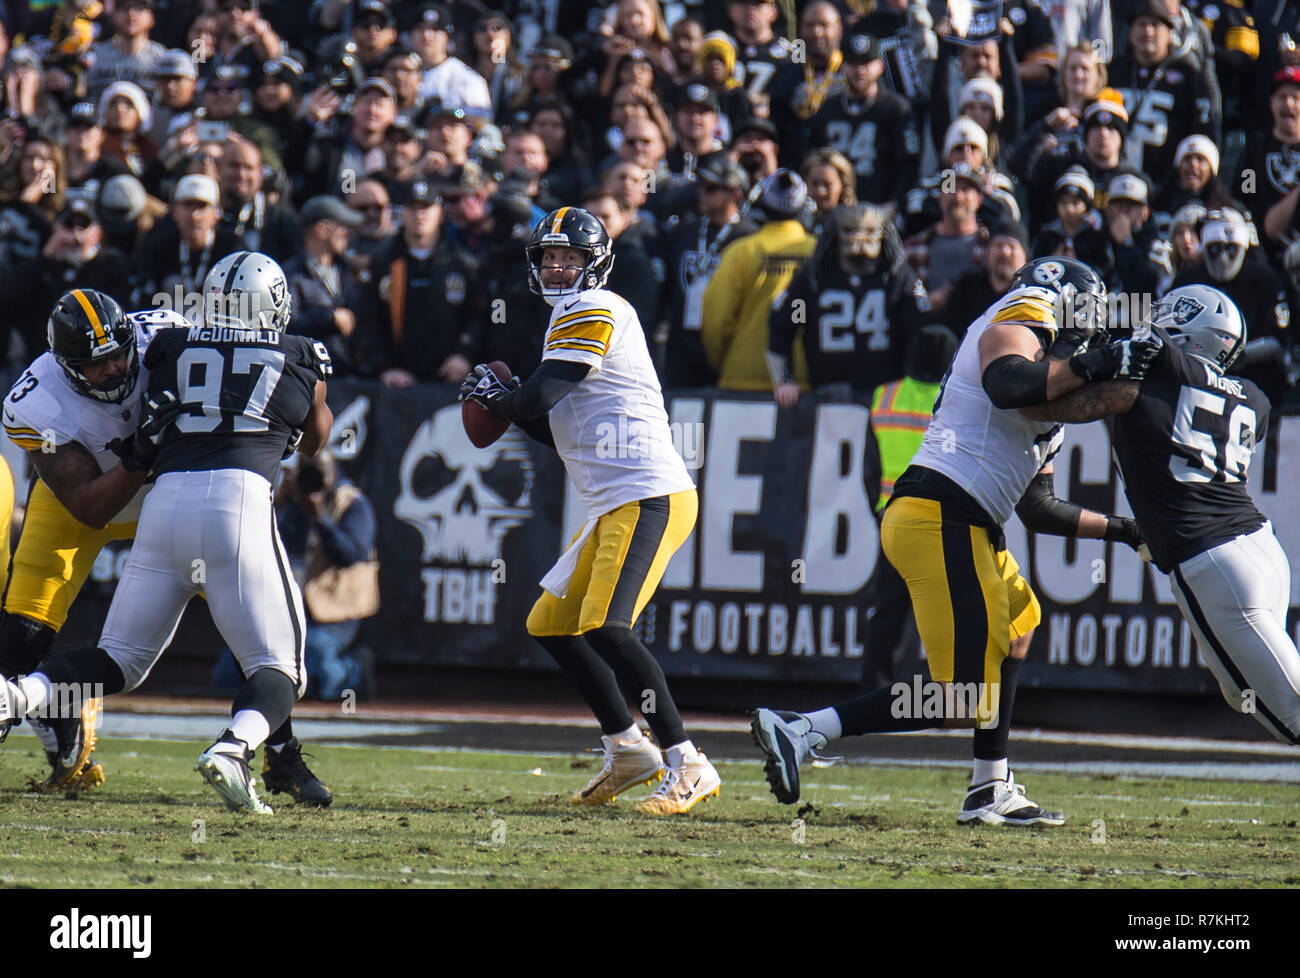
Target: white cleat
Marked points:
683	788
13	706
625	766
785	739
1004	803
225	766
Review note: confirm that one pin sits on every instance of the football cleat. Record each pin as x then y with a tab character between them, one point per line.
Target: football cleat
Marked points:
625	765
224	765
284	771
683	788
13	706
1004	803
74	740
785	739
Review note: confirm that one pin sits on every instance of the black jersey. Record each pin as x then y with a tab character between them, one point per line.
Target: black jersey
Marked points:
1184	449
245	391
757	63
879	137
855	327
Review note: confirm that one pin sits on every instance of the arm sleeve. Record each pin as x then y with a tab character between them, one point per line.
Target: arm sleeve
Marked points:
534	398
1042	511
1015	382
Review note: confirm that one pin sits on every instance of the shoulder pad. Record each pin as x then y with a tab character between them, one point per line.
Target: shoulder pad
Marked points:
1027	306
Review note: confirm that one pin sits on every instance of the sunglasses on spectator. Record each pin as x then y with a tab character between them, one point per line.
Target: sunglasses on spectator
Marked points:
371	24
78	223
370	208
223	88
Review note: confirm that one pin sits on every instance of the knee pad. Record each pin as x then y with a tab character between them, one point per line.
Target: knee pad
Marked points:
24	642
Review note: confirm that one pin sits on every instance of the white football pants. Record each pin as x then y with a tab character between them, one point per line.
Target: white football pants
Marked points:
1235	597
212	533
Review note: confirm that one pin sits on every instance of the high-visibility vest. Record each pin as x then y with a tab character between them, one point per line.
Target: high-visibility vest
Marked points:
900	413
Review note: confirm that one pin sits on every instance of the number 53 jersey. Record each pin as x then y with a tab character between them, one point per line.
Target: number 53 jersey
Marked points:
244	392
1184	449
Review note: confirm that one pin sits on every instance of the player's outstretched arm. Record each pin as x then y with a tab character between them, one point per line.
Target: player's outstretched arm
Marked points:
91	496
1016	373
1087	403
316	430
1042	511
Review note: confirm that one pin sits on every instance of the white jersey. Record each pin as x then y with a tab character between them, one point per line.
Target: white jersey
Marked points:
44	411
611	430
992	453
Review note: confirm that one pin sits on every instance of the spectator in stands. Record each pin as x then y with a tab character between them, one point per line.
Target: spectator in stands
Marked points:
1185	236
717	70
754	147
853	308
374	32
428	299
226	100
448	140
633	276
265	227
685	38
130	55
72	257
870	125
955	242
244	37
569	170
1268	180
377	228
1077	231
981	99
831	182
33	196
966	143
638	25
495	57
1105	125
324	290
1142	258
751	274
176	81
467	220
178	253
356	149
125	115
797	90
630	186
1082	76
403	156
1171	96
978	288
692	248
328	528
695	122
995	59
127	213
277	103
447	79
551	57
525	155
634	102
401	68
1197	179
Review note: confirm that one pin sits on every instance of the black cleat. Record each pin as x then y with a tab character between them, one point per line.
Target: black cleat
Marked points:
284	771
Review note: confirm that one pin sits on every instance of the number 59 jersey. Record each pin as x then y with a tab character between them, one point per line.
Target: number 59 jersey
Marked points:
1184	450
244	393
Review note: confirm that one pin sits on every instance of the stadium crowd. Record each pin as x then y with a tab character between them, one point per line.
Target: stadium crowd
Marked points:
393	157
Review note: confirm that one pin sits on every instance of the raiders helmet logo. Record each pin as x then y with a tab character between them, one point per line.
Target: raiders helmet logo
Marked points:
1049	272
277	292
1180	313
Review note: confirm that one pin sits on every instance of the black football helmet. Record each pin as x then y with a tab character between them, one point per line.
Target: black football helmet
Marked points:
570	227
1080	296
87	327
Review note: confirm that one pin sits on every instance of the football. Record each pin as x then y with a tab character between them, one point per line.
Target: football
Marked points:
481	426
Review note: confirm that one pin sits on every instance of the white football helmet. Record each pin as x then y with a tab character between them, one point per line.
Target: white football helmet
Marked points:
1204	322
247	290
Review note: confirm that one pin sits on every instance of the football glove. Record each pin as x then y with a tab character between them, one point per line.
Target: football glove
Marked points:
1124	530
139	450
483	386
295	439
1121	360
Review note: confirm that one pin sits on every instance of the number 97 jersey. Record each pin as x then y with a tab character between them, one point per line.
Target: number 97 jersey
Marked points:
243	392
1184	450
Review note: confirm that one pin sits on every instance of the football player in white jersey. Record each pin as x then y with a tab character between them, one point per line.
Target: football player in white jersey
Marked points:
985	454
73	410
596	378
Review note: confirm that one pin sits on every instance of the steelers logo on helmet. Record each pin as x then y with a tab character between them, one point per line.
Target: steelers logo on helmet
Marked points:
569	228
86	329
1049	272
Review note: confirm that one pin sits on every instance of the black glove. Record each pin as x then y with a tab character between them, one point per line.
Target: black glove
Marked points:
138	451
1070	341
1123	530
295	439
1122	360
482	386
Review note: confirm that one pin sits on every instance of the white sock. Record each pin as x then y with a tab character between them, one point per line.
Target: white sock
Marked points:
986	771
827	723
250	727
37	690
679	754
631	735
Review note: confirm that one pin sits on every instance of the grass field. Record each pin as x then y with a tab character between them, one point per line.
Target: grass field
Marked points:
405	818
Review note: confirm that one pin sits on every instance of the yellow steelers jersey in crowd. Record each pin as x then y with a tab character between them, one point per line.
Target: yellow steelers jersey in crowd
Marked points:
43	411
612	430
990	452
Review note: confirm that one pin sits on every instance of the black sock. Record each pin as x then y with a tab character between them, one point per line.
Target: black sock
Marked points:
87	666
874	713
24	642
281	735
269	692
639	674
991	743
594	679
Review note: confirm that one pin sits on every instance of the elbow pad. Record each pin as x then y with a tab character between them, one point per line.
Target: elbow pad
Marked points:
1014	382
1042	511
